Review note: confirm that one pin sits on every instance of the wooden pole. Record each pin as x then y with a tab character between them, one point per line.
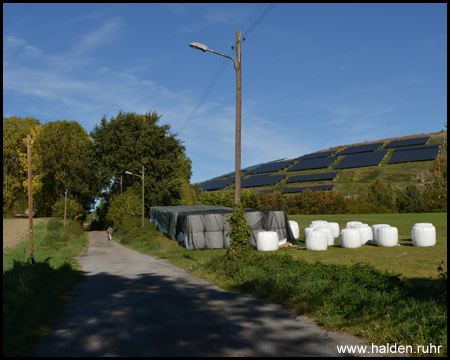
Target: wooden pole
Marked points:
65	211
237	196
30	199
142	177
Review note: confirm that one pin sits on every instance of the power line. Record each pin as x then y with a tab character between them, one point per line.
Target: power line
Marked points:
222	67
271	6
207	91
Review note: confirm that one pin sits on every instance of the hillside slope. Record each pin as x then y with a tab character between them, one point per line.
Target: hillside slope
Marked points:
350	182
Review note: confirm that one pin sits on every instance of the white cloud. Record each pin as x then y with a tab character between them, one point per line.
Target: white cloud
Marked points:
105	35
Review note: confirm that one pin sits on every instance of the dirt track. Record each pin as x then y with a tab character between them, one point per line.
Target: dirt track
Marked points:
15	230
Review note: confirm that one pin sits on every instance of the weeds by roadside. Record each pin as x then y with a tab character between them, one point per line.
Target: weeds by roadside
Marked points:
33	295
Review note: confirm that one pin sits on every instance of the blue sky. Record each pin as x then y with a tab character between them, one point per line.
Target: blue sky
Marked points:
313	75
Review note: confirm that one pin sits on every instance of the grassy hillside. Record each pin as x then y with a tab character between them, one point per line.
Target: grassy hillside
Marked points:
350	182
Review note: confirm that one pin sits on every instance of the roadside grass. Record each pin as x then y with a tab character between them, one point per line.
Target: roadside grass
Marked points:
393	295
34	295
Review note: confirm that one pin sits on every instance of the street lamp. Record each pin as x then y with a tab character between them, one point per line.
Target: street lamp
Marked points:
237	66
142	178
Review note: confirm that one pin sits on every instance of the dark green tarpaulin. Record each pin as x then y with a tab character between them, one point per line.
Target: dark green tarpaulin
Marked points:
166	216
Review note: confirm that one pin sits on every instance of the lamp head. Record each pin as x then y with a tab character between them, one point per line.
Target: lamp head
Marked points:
127	172
199	46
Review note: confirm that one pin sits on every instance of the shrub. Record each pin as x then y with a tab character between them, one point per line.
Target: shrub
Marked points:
74	209
239	234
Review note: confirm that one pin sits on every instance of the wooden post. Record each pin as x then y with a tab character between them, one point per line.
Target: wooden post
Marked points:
65	211
237	173
30	199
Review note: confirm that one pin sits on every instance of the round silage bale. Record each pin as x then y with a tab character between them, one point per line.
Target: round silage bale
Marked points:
317	240
294	228
350	238
423	235
267	241
366	234
352	224
387	236
374	230
335	227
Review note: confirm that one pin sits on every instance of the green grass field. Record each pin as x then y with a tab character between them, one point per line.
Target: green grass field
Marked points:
34	295
410	261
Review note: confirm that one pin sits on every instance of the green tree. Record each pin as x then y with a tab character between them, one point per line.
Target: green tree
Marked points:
66	161
128	141
15	131
74	210
123	206
409	200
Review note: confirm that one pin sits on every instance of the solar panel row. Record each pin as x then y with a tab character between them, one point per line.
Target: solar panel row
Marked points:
360	149
418	147
271	167
315	155
313	188
320	163
262	180
361	160
414	155
216	185
311	177
408	142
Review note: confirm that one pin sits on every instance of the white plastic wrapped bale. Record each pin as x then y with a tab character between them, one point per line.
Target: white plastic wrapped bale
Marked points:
267	241
335	227
329	230
366	234
374	230
307	231
387	236
352	224
317	240
318	222
295	229
350	238
423	235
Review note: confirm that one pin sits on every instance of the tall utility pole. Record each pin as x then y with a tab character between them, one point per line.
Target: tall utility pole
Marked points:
237	66
30	199
237	195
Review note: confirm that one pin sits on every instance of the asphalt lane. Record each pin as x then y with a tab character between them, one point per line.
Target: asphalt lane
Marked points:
132	304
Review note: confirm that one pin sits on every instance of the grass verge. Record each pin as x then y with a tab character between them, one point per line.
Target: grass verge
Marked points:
33	295
358	293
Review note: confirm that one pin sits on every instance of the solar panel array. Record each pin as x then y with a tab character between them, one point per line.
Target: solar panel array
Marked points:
408	142
313	188
320	163
312	177
418	147
262	180
414	155
315	155
361	160
360	149
216	185
271	167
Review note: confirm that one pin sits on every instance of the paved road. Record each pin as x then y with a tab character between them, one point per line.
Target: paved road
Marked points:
136	305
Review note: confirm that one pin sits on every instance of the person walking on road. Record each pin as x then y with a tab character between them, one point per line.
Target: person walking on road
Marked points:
110	231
